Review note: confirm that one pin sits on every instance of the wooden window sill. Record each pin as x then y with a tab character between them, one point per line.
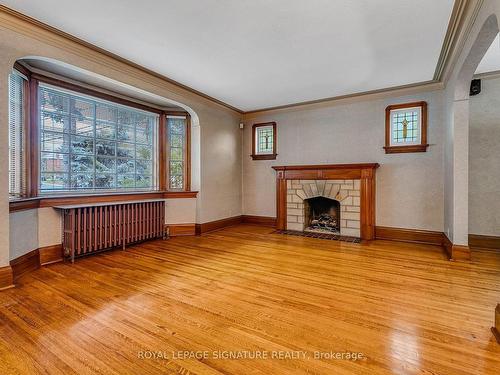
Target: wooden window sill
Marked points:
405	149
264	157
51	201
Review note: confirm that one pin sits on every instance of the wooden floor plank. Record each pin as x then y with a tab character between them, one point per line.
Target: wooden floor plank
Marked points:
244	288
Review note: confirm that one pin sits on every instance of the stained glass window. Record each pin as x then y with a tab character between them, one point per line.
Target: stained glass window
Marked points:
265	140
405	126
176	126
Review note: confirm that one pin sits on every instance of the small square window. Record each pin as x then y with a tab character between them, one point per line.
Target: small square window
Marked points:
264	141
406	128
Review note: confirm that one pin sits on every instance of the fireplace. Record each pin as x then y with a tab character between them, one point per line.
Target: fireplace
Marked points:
351	187
322	215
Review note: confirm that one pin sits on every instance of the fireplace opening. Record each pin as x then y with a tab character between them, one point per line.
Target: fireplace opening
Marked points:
322	215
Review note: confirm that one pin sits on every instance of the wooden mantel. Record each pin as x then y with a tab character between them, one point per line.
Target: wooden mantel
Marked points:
364	172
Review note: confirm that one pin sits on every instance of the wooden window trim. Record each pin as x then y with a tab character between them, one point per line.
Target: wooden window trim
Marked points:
34	200
422	147
256	156
52	201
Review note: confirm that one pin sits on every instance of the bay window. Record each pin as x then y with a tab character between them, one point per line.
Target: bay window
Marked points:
65	139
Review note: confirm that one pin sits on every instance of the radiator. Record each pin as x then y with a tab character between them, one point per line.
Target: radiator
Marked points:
93	228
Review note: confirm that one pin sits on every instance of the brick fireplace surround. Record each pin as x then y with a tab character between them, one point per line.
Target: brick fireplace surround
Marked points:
353	185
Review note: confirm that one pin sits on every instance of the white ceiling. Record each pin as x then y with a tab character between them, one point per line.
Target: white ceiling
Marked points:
491	60
258	53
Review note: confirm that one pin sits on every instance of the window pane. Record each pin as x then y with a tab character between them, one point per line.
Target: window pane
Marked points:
55	142
54	101
105	148
105	181
104	164
90	144
54	181
82	145
176	182
177	151
54	162
82	181
405	126
125	150
265	140
56	122
80	163
125	166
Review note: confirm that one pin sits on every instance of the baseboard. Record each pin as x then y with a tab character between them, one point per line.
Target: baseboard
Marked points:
51	254
259	220
484	242
409	235
217	224
456	252
176	230
25	263
6	278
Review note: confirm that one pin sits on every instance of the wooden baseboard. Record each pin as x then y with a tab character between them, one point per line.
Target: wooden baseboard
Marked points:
176	230
409	235
25	263
456	252
259	220
484	242
6	278
51	254
217	224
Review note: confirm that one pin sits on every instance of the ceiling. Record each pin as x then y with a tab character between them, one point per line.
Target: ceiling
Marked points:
491	60
260	53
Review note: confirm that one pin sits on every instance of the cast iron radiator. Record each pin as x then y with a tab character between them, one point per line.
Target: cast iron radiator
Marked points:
92	228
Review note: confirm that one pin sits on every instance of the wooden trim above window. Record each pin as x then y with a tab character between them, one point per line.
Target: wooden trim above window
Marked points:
254	154
422	147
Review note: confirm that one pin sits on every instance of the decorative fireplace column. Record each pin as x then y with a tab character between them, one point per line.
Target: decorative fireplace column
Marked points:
352	180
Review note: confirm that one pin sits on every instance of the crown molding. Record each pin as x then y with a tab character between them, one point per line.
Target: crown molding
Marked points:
462	19
488	75
402	90
31	27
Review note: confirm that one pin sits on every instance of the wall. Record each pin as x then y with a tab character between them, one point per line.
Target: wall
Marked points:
23	232
219	160
409	186
484	160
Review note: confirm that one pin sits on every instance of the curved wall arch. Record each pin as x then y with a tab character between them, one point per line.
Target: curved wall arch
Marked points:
456	159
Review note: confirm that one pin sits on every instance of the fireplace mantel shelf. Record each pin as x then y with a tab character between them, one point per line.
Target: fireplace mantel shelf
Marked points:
326	166
361	171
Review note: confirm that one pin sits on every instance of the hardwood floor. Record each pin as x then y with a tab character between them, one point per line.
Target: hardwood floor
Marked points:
404	306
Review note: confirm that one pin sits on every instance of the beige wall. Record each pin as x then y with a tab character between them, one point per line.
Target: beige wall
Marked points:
23	232
409	186
484	160
219	160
